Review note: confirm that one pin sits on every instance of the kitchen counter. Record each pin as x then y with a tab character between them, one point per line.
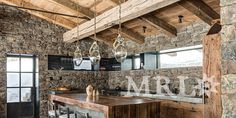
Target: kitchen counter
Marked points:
113	106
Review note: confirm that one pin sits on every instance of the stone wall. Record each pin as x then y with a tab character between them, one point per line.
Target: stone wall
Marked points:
23	33
187	36
228	34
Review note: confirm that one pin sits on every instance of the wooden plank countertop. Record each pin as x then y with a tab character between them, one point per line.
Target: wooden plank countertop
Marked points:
105	104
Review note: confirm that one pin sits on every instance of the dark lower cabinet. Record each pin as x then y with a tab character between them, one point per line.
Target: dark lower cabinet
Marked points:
20	110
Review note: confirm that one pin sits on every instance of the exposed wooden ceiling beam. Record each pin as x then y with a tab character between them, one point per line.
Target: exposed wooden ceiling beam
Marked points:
49	17
77	8
100	39
160	24
130	10
117	1
133	36
156	22
129	33
200	9
73	7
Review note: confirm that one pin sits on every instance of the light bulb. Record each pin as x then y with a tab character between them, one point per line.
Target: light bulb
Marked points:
94	54
120	51
78	58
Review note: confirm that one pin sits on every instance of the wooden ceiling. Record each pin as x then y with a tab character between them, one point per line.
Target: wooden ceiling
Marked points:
161	20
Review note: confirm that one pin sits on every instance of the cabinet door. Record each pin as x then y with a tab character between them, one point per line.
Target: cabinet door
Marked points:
192	114
175	113
163	111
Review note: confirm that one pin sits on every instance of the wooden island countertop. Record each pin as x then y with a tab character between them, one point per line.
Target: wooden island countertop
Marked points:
113	106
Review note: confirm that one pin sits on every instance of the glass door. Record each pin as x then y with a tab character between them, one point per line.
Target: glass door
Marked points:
22	86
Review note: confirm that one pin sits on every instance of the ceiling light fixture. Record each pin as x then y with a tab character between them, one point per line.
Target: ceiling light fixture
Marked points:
94	53
119	46
78	57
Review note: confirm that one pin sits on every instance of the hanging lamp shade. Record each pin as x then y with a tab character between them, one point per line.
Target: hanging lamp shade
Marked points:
119	49
78	58
94	54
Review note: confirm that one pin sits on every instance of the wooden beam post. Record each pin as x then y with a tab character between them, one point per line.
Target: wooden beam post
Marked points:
212	70
201	10
130	10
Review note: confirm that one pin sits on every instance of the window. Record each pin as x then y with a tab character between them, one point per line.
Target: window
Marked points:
127	64
22	74
136	62
150	60
181	57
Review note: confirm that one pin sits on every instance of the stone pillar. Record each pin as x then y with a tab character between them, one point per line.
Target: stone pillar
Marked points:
228	34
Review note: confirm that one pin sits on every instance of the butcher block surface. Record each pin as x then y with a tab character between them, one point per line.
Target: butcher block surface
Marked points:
113	106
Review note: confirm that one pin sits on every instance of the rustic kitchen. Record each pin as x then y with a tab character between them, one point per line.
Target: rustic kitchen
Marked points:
117	59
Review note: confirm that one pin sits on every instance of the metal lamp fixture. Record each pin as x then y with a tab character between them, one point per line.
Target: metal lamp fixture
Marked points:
119	47
78	57
94	53
119	50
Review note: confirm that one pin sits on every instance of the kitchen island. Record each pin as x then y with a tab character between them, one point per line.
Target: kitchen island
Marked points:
110	106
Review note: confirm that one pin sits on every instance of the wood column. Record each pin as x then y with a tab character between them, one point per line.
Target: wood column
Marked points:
212	70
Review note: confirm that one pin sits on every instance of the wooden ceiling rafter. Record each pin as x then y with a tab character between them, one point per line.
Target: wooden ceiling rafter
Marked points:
74	6
159	16
156	22
160	24
201	10
131	10
49	17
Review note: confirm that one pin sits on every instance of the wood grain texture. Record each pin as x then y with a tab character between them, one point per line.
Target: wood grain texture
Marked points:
49	17
160	24
113	106
171	109
128	33
200	9
212	68
130	10
76	9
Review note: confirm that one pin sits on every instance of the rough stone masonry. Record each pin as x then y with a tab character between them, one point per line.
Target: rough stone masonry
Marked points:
228	35
22	33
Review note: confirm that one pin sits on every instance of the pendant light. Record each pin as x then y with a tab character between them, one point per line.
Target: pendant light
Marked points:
119	47
94	53
78	57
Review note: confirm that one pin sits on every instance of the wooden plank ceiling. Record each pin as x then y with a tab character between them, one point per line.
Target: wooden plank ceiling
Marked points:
147	18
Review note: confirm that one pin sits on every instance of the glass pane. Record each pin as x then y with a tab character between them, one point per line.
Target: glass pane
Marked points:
37	79
13	64
127	64
37	66
25	94
181	59
137	63
13	95
13	80
150	61
27	64
27	79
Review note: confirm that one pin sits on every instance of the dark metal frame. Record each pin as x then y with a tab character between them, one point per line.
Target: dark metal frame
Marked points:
33	89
